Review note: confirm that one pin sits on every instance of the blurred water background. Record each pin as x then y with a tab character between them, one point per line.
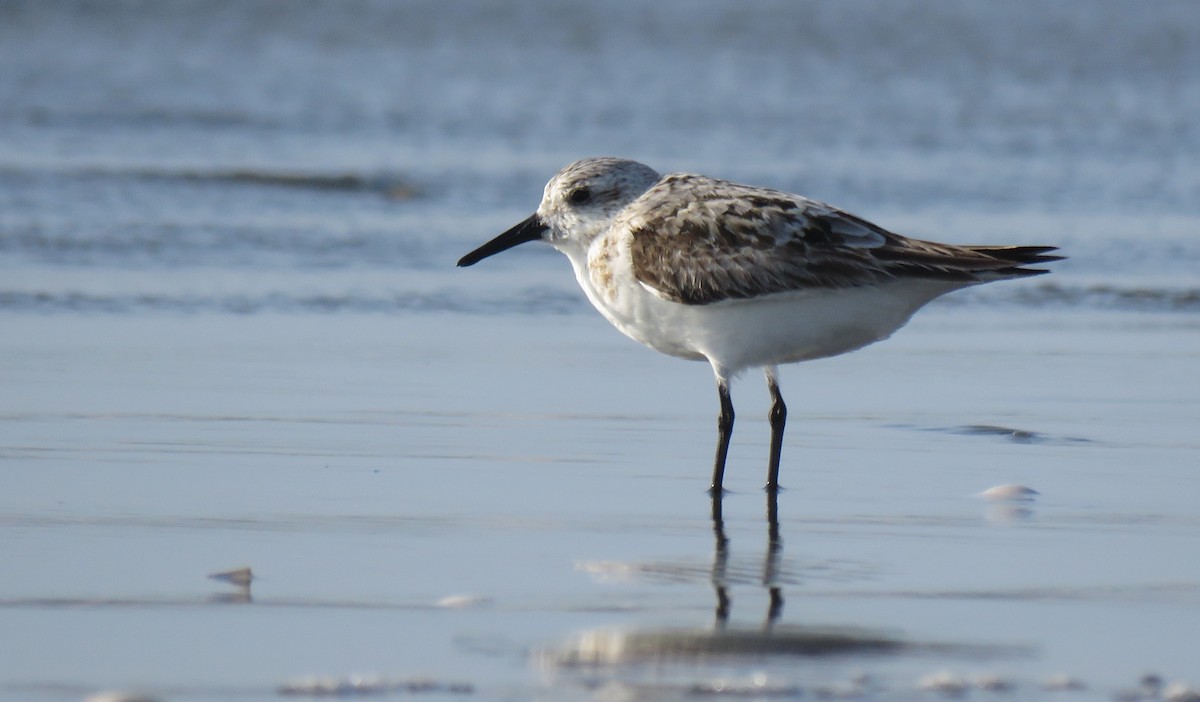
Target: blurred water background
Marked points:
346	153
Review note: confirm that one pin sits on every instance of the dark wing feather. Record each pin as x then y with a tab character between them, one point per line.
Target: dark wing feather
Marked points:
698	240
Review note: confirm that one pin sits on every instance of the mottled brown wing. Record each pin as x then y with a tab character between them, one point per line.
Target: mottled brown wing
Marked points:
698	240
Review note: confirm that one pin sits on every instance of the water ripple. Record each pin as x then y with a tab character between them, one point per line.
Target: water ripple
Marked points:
531	300
535	301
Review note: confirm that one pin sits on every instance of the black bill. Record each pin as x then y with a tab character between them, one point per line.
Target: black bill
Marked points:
529	230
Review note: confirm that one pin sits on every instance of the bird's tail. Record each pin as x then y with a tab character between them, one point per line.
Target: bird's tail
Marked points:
1017	257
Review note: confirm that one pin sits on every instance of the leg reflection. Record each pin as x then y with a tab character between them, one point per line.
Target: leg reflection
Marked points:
720	562
770	569
771	563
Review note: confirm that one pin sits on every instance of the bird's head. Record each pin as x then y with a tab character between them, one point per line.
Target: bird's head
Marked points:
578	205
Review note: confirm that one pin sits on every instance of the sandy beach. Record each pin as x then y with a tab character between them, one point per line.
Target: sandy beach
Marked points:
368	468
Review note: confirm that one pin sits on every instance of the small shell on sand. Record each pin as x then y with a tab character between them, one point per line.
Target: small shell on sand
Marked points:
242	577
464	601
1009	492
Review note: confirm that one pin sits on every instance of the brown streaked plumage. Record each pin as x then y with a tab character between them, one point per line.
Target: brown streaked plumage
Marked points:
699	240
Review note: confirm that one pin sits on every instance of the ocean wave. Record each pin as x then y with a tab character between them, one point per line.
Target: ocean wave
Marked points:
238	246
390	185
540	300
533	301
1133	298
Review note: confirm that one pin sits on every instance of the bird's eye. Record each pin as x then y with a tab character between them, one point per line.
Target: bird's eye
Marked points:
578	196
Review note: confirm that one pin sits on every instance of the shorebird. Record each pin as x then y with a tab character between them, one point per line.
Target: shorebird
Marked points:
742	276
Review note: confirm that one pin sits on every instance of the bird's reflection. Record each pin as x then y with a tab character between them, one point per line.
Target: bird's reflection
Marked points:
728	659
699	652
770	569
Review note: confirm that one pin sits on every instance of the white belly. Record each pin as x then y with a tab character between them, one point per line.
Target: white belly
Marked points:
737	334
802	325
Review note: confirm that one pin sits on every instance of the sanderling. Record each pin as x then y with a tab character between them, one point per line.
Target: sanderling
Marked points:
742	276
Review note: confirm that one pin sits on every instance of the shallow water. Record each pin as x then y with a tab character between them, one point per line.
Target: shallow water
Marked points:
231	335
367	467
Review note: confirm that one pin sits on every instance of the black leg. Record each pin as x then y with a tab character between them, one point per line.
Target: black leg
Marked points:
724	432
778	421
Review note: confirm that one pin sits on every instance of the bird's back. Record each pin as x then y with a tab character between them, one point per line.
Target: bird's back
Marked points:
697	240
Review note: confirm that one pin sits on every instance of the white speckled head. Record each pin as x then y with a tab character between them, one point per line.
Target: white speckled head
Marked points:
580	200
578	205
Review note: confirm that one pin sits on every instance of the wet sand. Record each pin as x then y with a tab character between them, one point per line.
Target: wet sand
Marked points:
513	507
